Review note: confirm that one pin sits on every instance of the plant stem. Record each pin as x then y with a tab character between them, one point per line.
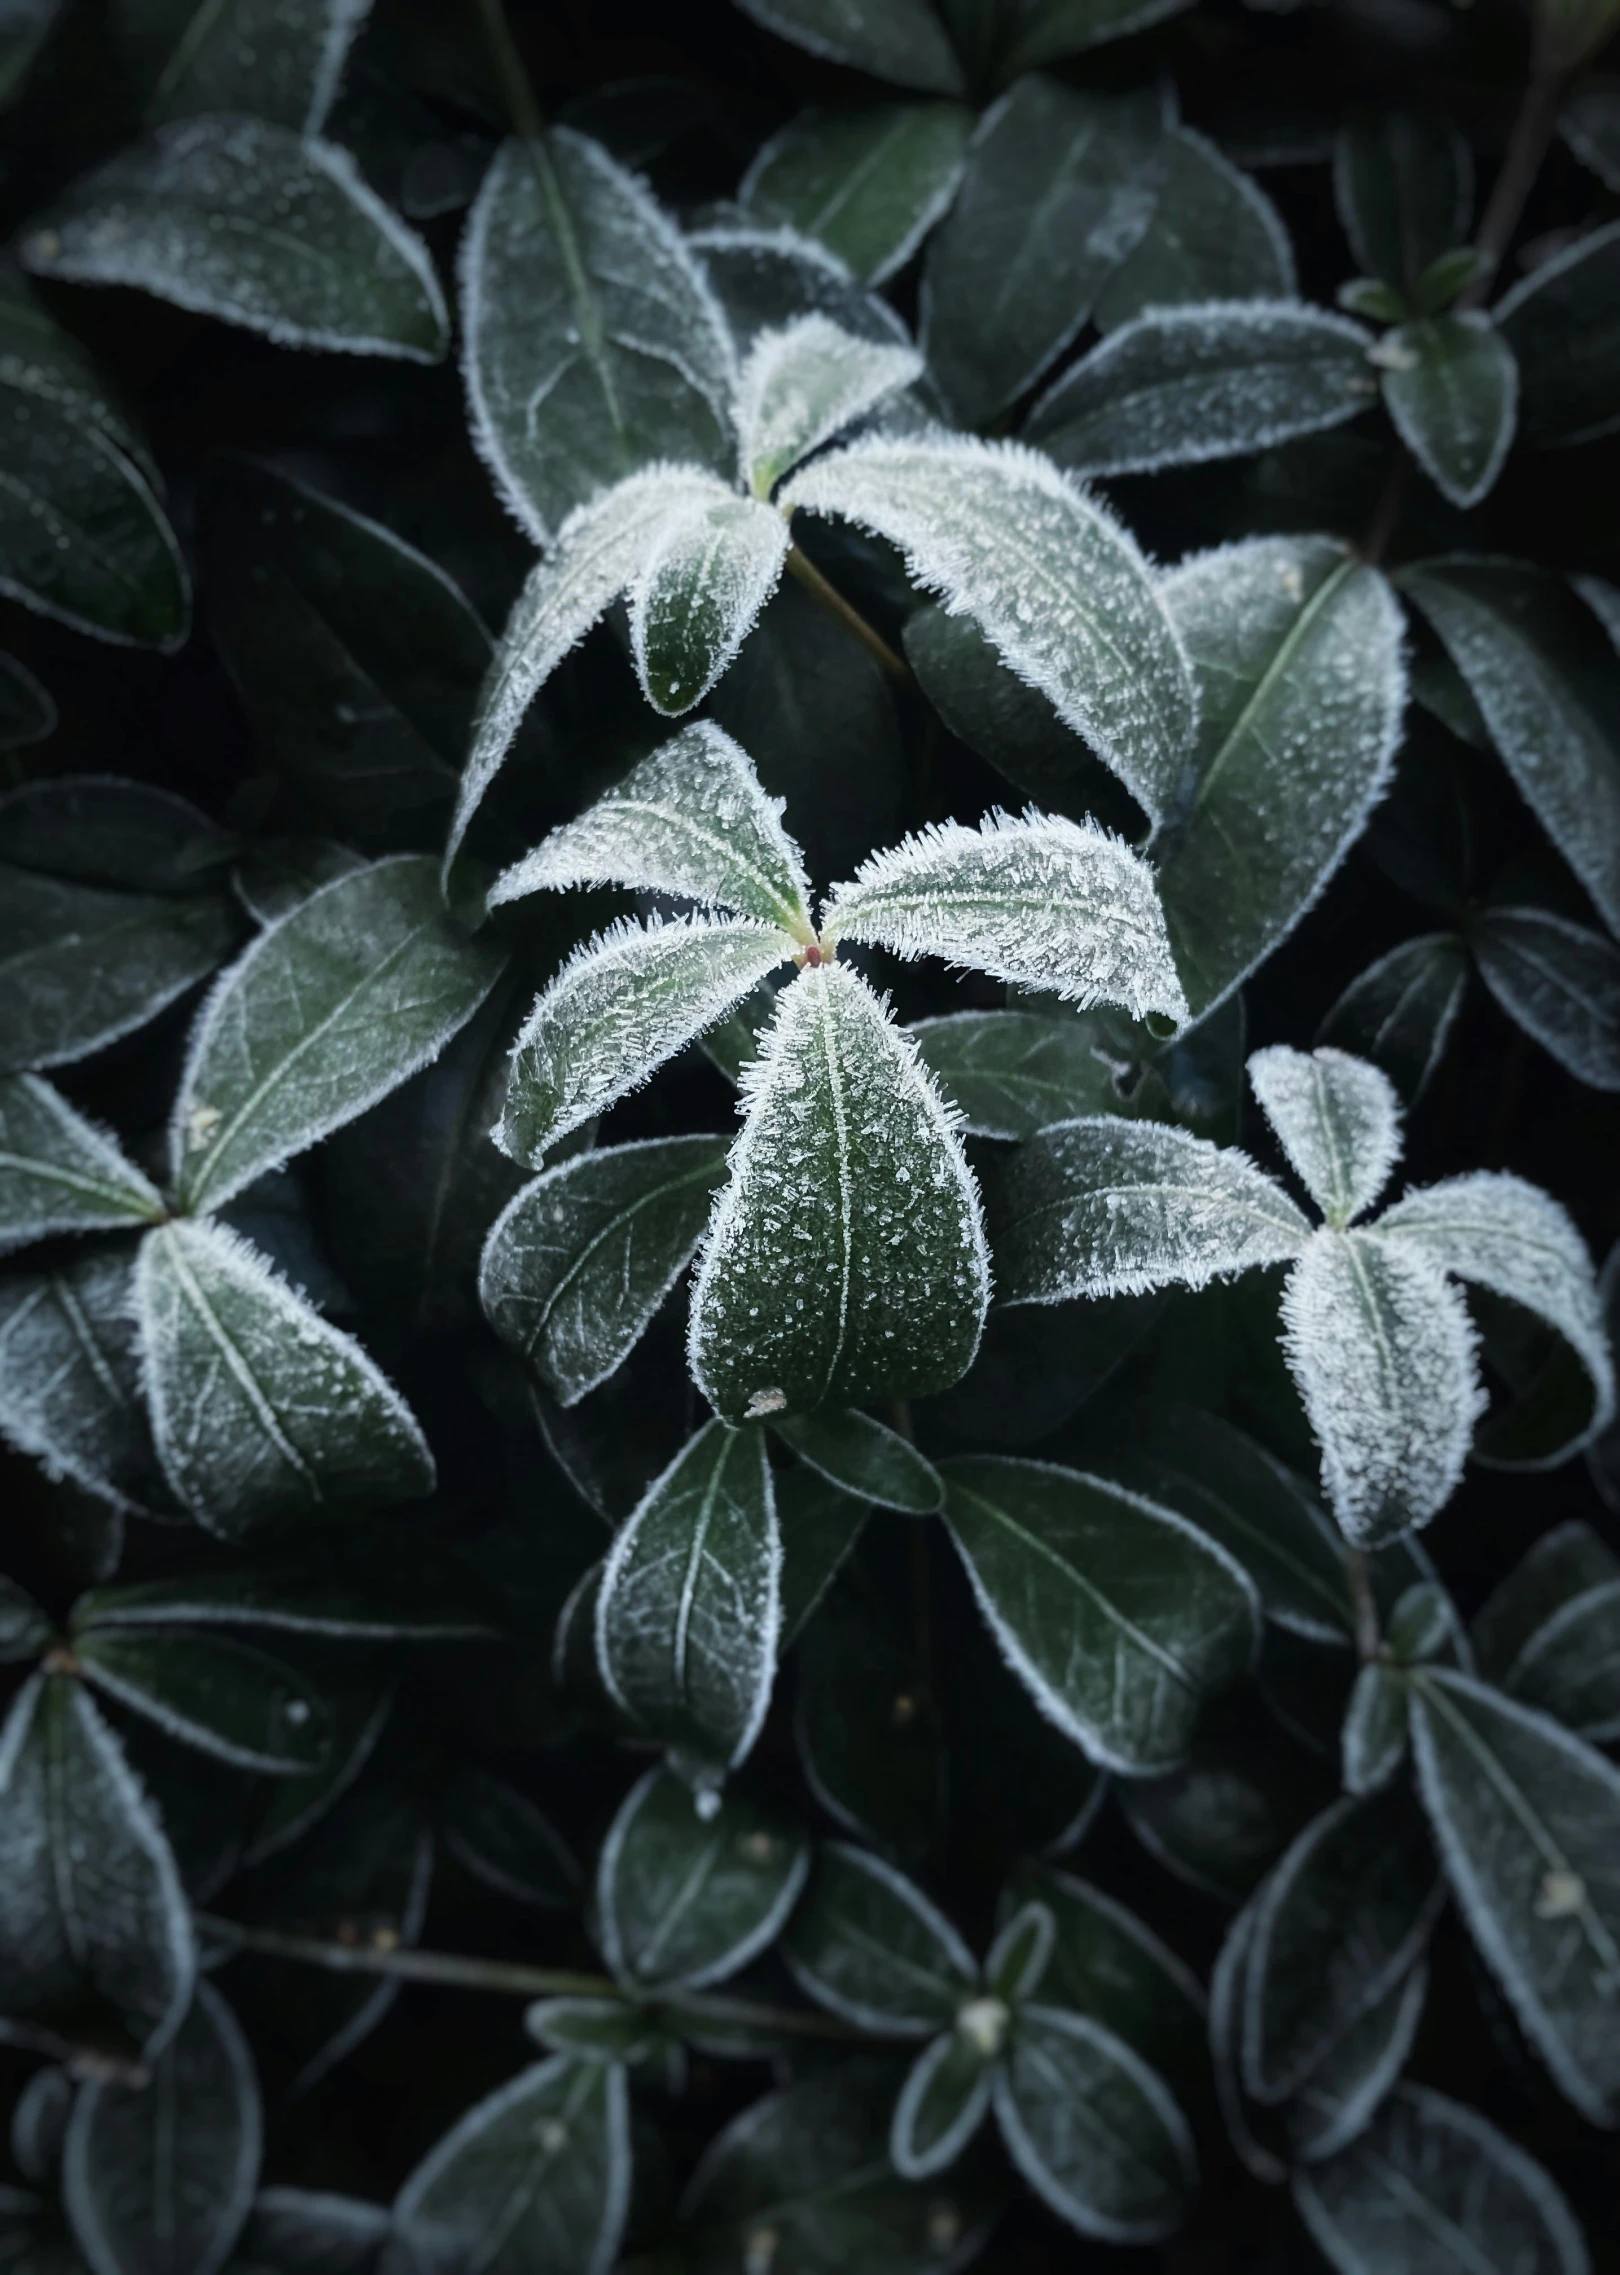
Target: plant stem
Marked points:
81	2062
801	566
1369	1635
511	71
514	1978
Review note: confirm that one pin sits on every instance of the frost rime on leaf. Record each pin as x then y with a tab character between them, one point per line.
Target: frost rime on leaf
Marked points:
698	594
802	385
1042	902
1338	1120
58	1171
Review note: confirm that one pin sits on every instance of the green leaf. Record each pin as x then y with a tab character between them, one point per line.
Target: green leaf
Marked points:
624	1004
579	293
868	183
1525	1815
1093	2130
359	987
846	1258
699	594
1404	187
1296	649
819	1527
1042	903
942	2103
1548	682
1338	1121
59	1172
688	1897
1016	1963
1058	587
851	1450
1058	188
358	659
804	384
28	712
260	1409
899	40
870	1946
1044	31
535	2177
256	225
1560	982
690	1607
603	2030
353	1584
1550	1634
1562	324
1180	386
225	1698
97	829
276	61
24	1630
1452	388
162	2176
1401	1010
497	1833
70	1380
1341	1920
1011	1073
1222	1819
1106	1964
79	968
1341	2096
90	1898
1102	1206
1215	235
310	2232
1432	2187
870	1736
576	1265
1120	1618
1375	1730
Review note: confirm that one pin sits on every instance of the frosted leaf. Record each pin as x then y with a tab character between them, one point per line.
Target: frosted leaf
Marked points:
1558	321
1052	580
1559	981
328	1010
868	183
59	1172
578	1262
1043	903
804	384
1102	1206
1383	1353
690	820
593	344
1451	387
1215	235
1181	386
1401	1010
256	225
276	59
846	1258
621	1006
770	277
70	1388
901	40
690	1604
1010	1073
1511	1237
597	553
261	1409
698	595
1338	1120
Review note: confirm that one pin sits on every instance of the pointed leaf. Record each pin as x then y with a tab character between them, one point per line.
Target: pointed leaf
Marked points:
692	821
819	1525
624	1004
1044	31
1214	379
256	225
1215	235
689	1612
497	1833
577	1264
1043	903
1511	1237
1431	2187
328	1010
869	183
1106	1963
1526	1817
874	1464
59	1172
1374	1737
70	1380
1093	2130
89	1897
1337	1119
1550	1634
770	277
1560	323
1342	2095
99	829
900	40
1059	186
1383	1354
1452	388
1120	1619
276	61
846	1257
1296	649
260	1409
225	1698
579	296
804	384
1048	576
1560	982
941	2106
871	1947
1547	680
699	595
79	968
1011	1073
688	1897
159	2180
1401	1010
310	2232
534	2180
1102	1206
1404	187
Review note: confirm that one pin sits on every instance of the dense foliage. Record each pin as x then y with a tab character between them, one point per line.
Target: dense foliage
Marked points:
809	1052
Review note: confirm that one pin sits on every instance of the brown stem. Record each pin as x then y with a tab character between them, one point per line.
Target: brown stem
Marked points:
1369	1634
511	71
801	566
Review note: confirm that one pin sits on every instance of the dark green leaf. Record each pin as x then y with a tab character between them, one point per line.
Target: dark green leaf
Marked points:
942	2103
870	1946
1563	325
362	1584
38	2120
1550	1634
70	1380
503	1839
1560	982
853	1451
1215	235
1404	186
223	1697
1012	1072
1107	1964
1339	2099
1452	388
97	829
1044	31
868	184
24	1629
900	40
306	2231
278	61
1374	1738
60	1173
819	1526
1401	1010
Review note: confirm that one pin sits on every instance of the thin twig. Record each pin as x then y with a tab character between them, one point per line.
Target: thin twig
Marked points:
511	71
801	566
81	2062
1369	1634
